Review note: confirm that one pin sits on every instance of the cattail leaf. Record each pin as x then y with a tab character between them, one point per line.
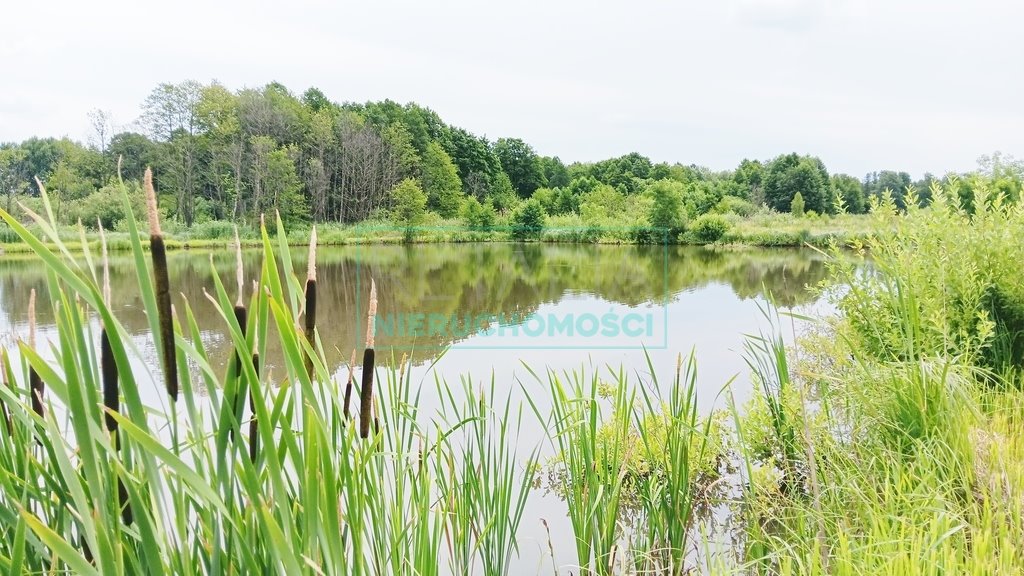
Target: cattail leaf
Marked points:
60	546
198	485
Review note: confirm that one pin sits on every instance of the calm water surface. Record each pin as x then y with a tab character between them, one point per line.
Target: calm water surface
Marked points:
498	303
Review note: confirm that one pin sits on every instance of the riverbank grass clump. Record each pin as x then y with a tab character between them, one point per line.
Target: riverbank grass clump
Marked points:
903	417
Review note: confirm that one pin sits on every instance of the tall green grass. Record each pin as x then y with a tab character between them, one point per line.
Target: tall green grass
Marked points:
103	482
903	412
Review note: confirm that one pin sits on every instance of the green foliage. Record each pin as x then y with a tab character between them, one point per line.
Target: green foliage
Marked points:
876	183
790	174
666	211
478	217
709	228
950	282
503	195
106	205
555	173
850	191
441	181
734	205
408	206
521	164
796	205
528	221
626	173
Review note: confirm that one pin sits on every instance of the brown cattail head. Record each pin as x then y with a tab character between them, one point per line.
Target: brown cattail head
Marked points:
239	270
366	394
310	308
311	264
348	384
254	437
161	282
371	312
108	371
35	383
151	205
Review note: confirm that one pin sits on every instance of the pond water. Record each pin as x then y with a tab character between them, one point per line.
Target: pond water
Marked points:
477	310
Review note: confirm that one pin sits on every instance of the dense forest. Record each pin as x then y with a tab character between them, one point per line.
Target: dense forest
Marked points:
223	155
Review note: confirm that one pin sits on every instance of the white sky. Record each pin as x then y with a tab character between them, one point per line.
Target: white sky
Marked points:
866	85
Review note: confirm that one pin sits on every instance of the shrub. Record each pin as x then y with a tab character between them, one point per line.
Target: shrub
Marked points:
796	207
213	230
106	205
478	217
948	283
734	205
409	204
709	228
528	220
666	211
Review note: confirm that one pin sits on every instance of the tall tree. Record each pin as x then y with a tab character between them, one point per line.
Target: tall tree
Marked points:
851	192
13	178
441	181
790	173
522	165
555	172
171	114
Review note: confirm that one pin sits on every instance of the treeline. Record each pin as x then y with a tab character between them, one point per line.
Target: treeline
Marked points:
223	155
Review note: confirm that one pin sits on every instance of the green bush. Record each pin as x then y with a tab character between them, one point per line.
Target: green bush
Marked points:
947	283
476	216
666	210
709	228
528	221
106	205
734	205
796	207
213	230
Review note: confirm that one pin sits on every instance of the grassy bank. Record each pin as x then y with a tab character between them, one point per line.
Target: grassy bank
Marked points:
890	442
766	229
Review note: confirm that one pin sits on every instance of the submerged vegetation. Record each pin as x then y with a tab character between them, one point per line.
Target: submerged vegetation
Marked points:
888	441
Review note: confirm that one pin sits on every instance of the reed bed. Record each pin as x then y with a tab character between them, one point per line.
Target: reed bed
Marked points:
884	448
95	481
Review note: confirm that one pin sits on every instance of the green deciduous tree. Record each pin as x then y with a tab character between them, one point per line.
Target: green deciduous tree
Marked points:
849	190
789	174
522	165
666	212
441	181
477	216
408	205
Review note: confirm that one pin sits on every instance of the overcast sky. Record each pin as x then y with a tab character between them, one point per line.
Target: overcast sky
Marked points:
865	84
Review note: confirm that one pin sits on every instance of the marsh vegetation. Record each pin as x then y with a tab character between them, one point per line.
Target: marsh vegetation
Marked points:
885	439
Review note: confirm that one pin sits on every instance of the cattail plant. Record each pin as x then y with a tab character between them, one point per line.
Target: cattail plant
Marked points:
311	301
254	438
110	380
366	389
5	383
241	316
162	284
348	384
35	383
108	367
